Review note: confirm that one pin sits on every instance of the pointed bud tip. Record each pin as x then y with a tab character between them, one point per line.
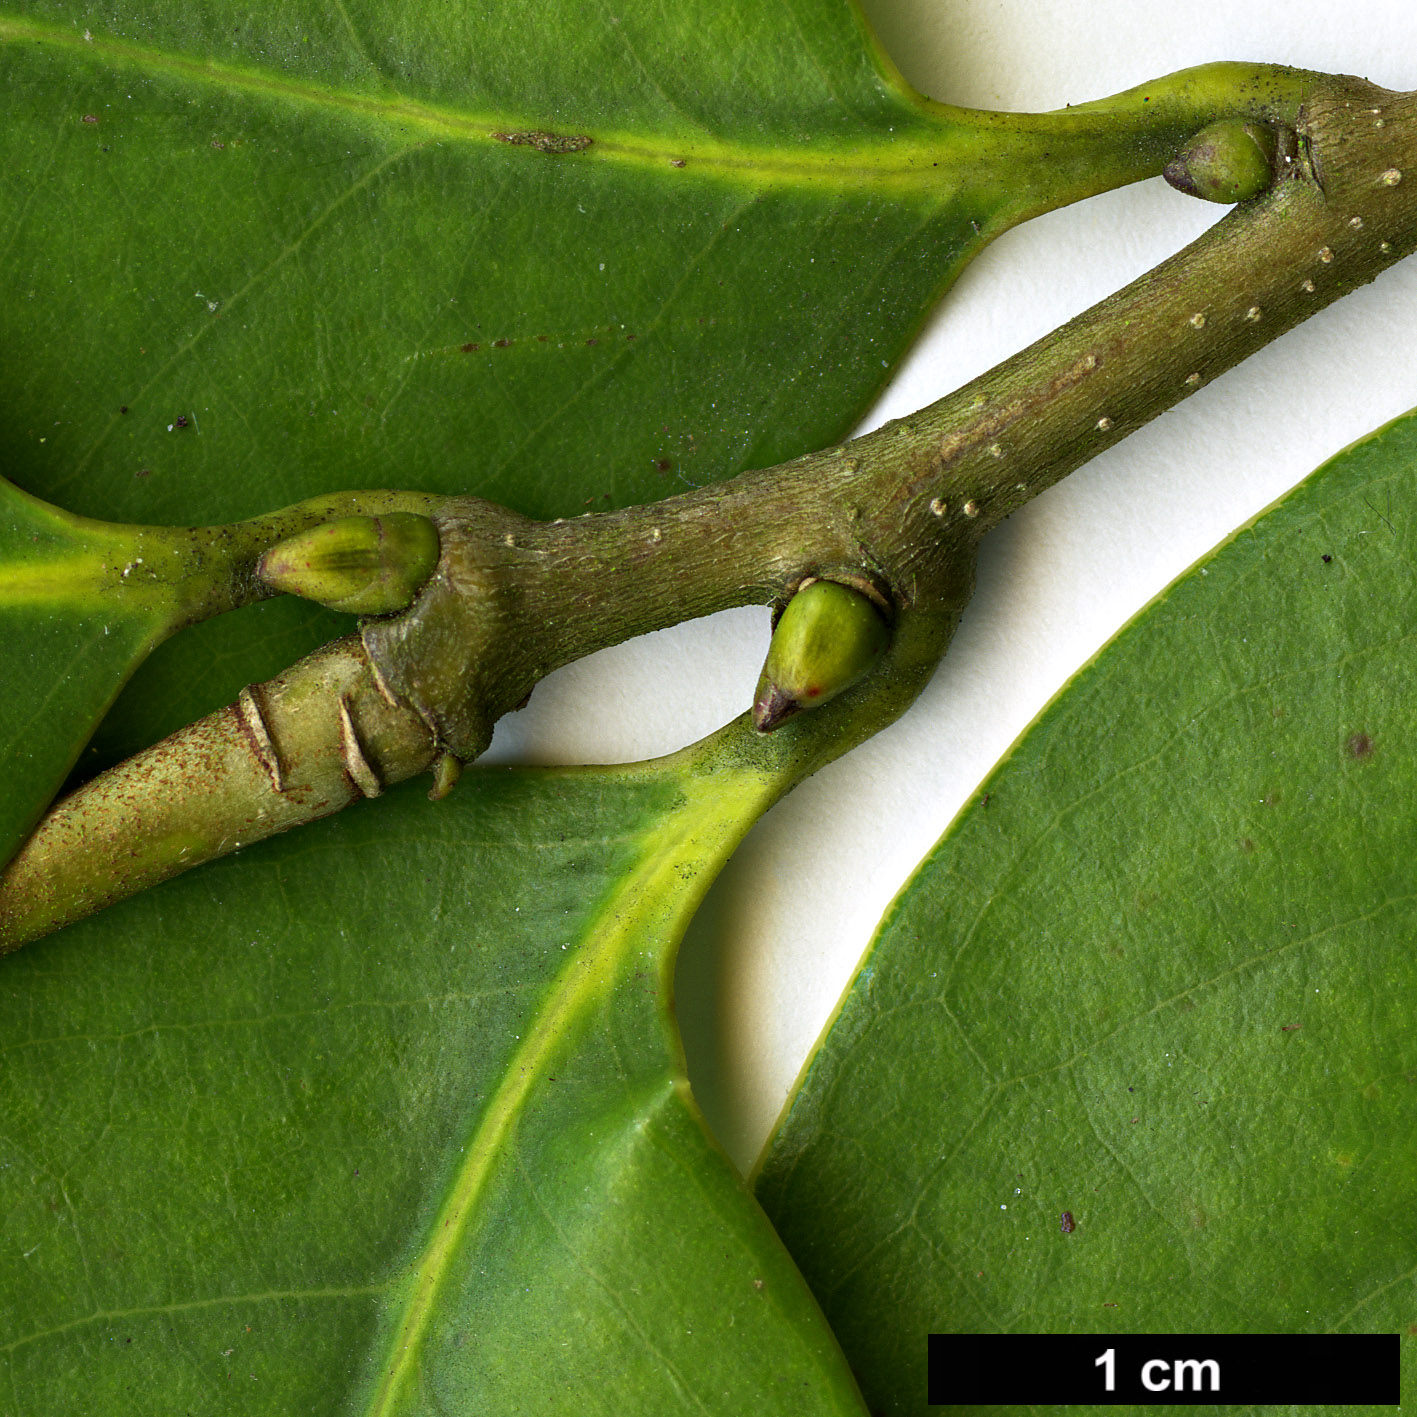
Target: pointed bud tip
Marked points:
773	708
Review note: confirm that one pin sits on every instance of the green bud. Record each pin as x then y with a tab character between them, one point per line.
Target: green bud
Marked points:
828	638
446	772
1231	161
361	565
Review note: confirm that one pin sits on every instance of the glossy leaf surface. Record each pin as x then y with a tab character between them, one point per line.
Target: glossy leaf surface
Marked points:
1159	975
389	1117
450	247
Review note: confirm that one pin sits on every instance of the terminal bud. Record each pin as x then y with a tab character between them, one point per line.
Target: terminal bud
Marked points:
828	637
1230	161
361	565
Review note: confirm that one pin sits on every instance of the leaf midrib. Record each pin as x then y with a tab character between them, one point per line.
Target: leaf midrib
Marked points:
648	903
901	163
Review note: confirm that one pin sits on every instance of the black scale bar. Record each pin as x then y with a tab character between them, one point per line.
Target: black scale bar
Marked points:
981	1370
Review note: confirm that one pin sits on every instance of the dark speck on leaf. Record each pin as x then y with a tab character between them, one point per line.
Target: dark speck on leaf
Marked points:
1290	1027
468	348
1327	558
1068	1223
182	421
123	408
592	341
500	343
1360	746
676	162
663	464
90	118
553	144
143	472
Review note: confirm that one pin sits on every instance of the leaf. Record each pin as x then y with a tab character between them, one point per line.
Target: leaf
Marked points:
406	1131
350	244
1157	975
563	260
74	628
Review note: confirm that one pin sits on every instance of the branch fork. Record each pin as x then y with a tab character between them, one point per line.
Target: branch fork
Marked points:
471	604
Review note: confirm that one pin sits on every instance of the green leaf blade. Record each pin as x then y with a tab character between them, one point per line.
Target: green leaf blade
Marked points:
406	232
412	1110
1156	976
334	266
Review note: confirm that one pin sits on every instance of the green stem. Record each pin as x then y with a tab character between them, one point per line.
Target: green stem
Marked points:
188	573
1053	159
901	509
304	745
898	513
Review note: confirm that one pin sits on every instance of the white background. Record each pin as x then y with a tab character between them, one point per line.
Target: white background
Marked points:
783	928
